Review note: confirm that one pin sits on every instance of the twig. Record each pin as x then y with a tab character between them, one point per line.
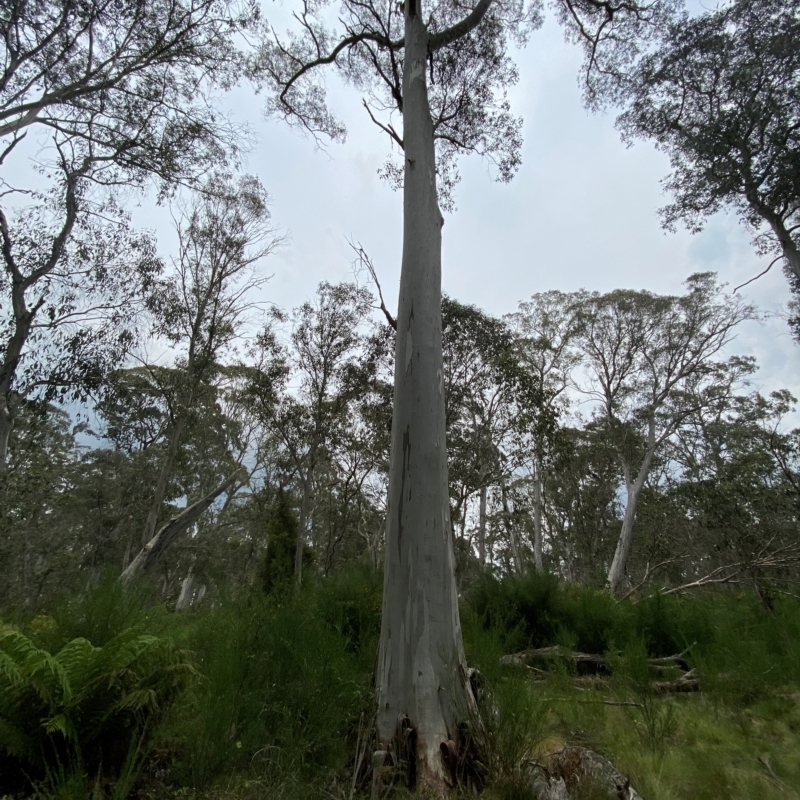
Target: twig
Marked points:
359	755
366	261
647	573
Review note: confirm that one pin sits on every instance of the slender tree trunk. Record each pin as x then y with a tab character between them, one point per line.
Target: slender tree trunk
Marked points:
163	479
305	506
23	319
516	562
616	573
482	527
422	679
537	519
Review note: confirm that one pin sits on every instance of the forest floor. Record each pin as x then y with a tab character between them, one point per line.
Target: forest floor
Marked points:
687	746
113	696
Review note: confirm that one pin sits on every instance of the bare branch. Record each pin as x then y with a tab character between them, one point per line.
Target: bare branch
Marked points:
366	261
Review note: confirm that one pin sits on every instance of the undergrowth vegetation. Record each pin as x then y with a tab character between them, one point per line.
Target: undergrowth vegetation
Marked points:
269	695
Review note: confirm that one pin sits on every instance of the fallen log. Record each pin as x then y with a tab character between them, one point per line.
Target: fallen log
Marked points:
688	682
546	655
577	772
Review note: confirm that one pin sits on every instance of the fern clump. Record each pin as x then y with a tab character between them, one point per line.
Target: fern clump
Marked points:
84	708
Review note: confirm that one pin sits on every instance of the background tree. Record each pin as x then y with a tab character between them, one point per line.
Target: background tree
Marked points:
223	236
121	93
323	347
545	328
650	362
719	97
71	293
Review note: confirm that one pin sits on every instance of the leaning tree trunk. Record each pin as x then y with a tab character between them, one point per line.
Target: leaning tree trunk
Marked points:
158	545
618	566
422	677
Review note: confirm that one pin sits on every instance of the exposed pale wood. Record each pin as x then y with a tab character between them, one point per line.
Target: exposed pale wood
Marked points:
156	547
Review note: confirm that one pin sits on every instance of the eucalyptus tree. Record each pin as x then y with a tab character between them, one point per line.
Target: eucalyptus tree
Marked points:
359	451
581	508
389	51
115	75
720	97
114	94
478	406
735	483
68	303
493	404
649	362
545	330
224	235
323	348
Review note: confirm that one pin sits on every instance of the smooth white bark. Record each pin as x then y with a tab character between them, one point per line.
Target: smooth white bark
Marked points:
537	519
422	676
616	572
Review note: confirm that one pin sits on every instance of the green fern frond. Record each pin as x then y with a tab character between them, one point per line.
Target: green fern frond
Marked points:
138	701
75	656
84	697
9	671
62	724
33	666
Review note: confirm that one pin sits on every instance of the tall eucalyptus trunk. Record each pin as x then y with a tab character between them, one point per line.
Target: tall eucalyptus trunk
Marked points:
482	526
633	488
422	676
537	519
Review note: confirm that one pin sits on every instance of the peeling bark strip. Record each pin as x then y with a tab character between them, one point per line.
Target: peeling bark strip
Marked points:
422	675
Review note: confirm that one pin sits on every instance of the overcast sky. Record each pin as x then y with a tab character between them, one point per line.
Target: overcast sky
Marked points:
581	213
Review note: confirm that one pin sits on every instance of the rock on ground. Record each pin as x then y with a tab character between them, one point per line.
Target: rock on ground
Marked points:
574	767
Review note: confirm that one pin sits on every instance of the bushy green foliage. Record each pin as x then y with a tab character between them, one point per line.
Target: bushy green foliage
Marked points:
281	687
350	604
106	610
538	611
277	566
285	680
85	707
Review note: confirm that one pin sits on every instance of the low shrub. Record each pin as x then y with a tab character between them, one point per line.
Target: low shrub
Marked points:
85	709
283	686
